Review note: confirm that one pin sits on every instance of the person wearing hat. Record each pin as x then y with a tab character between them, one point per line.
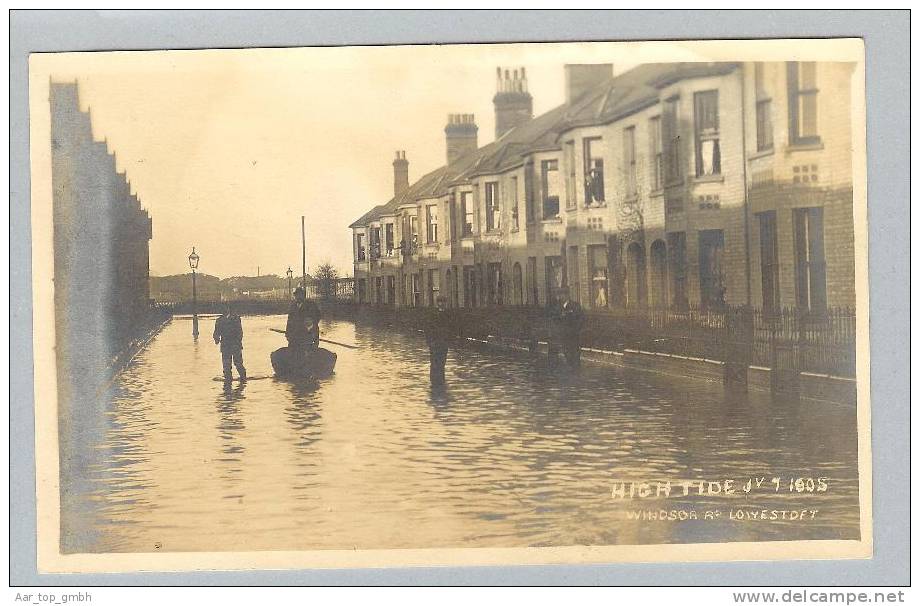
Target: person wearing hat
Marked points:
302	329
571	320
228	332
439	333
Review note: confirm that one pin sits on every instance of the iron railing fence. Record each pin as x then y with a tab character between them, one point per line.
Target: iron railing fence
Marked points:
787	339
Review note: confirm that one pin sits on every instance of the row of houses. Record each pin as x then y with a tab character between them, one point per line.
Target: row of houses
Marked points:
101	244
666	186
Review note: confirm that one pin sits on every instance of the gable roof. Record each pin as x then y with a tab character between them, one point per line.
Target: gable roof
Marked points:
608	101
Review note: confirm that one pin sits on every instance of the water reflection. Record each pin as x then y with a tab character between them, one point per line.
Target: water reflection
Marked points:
507	453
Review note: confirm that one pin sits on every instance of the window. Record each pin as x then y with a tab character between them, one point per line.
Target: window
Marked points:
594	172
764	111
359	246
391	290
654	133
550	182
517	285
529	191
375	243
495	283
706	120
407	289
677	248
469	286
451	217
514	204
801	82
670	136
554	277
629	161
493	210
574	283
434	285
378	289
432	223
570	181
810	282
597	259
413	233
712	280
769	261
532	280
467	209
389	239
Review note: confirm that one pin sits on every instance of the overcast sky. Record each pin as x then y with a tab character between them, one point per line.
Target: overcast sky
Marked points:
228	148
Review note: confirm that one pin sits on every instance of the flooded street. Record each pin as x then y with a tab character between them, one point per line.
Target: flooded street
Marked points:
509	455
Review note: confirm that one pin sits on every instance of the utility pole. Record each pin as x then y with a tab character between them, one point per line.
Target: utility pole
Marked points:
303	243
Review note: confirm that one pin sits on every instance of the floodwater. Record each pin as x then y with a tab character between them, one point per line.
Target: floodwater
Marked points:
510	454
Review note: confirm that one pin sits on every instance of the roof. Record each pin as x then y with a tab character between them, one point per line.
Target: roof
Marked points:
608	101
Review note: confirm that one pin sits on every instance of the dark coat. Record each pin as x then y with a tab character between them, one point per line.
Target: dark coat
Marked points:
228	331
441	329
303	319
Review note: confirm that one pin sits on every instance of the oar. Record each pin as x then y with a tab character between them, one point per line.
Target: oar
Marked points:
323	340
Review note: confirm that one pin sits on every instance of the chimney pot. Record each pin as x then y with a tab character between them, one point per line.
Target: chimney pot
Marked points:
513	104
400	173
462	135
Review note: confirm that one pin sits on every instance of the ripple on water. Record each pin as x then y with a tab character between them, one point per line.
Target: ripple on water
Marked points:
507	455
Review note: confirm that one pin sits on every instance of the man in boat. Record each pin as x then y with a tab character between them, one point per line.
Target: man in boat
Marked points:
228	332
439	334
302	330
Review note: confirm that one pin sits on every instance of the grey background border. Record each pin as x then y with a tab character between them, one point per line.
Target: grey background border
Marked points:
888	78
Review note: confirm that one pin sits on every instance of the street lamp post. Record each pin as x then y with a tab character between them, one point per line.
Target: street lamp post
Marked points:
290	275
193	263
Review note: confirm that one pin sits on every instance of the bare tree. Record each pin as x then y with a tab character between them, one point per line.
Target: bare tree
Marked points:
326	279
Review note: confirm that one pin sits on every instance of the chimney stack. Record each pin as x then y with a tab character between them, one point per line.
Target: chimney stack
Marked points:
462	135
400	173
513	104
582	77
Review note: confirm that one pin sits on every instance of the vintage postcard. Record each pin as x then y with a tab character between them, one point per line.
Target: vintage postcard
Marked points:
450	305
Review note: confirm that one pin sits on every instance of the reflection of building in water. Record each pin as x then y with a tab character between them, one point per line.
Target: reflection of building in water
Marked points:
101	238
668	185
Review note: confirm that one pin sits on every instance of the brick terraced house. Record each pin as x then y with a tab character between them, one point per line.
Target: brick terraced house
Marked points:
667	186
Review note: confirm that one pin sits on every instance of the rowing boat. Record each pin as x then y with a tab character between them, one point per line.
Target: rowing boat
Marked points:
299	364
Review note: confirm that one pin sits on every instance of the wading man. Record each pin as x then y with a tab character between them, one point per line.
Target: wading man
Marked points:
228	332
439	333
571	320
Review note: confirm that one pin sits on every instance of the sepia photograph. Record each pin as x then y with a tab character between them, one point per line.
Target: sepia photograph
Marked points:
370	306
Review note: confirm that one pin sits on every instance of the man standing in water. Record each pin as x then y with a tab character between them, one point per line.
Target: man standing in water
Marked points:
571	319
439	333
228	331
302	329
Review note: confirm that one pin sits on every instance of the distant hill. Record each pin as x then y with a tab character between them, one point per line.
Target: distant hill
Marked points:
175	288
